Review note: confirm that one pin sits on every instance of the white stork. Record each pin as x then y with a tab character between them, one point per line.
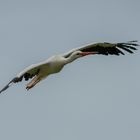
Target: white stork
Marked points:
55	63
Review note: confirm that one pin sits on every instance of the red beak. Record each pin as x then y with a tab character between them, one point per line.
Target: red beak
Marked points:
87	53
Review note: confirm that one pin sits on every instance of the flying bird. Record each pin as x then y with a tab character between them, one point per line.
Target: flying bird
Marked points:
38	72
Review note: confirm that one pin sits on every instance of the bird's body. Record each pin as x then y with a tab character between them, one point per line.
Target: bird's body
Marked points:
51	66
55	64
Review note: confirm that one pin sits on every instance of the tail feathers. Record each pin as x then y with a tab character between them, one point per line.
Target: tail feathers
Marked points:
9	84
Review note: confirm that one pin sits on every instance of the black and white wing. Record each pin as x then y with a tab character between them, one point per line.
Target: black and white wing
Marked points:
27	73
107	48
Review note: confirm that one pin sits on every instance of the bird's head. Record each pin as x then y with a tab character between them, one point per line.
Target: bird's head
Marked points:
78	54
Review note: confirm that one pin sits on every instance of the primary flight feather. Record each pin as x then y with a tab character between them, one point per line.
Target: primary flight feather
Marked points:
54	64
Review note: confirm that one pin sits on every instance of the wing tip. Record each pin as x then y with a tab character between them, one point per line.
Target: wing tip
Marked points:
129	46
14	80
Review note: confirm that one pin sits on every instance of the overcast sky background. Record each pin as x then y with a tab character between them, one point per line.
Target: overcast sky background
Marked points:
94	97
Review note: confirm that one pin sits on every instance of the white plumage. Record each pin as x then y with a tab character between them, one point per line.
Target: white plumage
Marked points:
55	64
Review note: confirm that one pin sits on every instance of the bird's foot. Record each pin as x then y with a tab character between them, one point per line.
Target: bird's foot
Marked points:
29	86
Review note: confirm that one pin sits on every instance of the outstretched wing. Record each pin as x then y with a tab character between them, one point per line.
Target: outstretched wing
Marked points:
27	74
107	48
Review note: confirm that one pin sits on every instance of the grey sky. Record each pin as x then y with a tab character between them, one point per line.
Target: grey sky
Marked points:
92	98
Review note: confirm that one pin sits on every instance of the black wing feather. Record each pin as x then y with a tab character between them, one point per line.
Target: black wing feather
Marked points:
26	76
110	48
